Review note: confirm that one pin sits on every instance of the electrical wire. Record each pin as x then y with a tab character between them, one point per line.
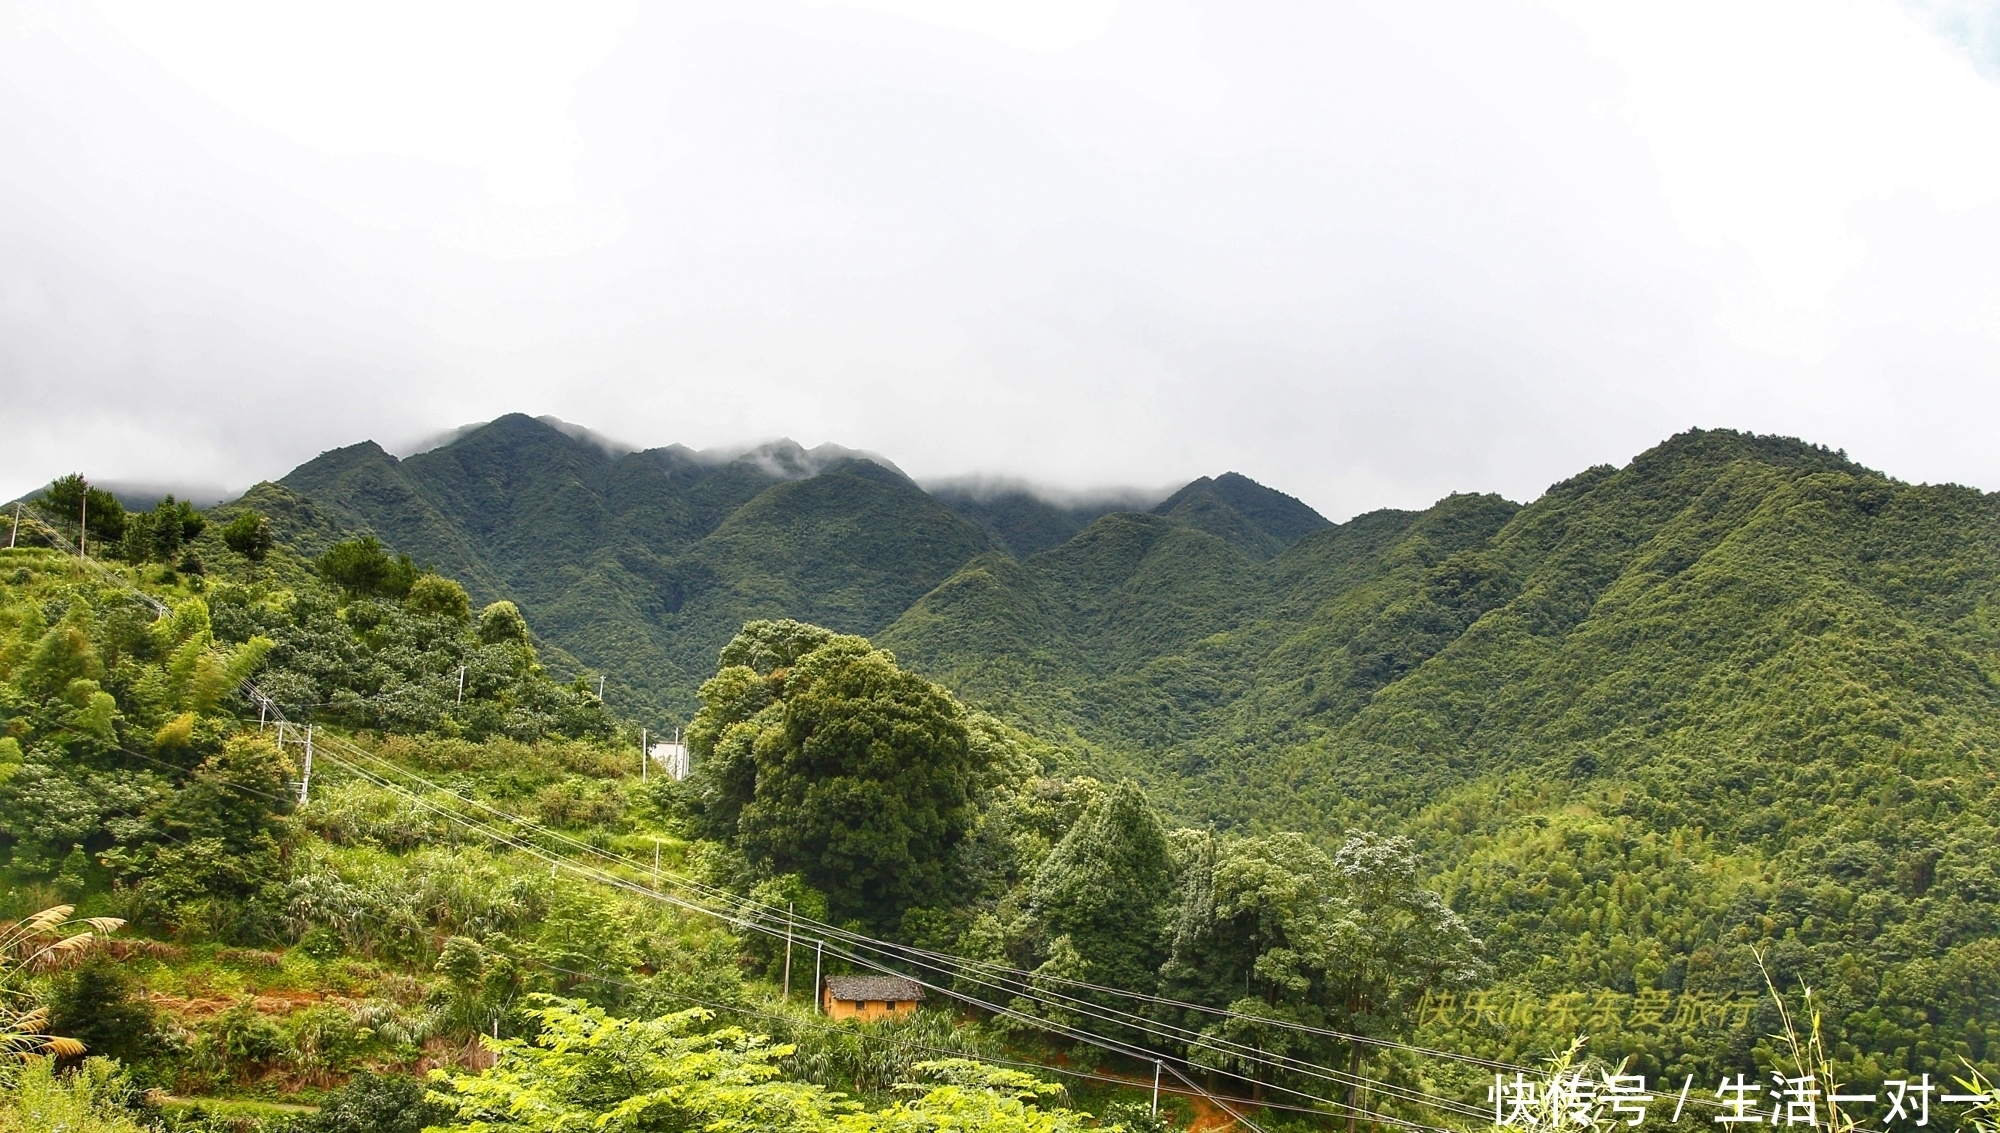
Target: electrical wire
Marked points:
1077	1034
1194	1039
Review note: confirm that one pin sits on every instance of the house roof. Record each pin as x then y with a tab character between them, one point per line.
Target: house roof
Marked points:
893	989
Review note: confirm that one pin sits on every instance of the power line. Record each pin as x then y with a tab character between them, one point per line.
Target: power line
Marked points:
1193	1039
914	954
1077	1034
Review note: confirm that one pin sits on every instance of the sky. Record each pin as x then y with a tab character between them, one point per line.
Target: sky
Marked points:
1368	253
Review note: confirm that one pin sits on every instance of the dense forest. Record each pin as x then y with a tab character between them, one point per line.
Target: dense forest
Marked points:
1333	821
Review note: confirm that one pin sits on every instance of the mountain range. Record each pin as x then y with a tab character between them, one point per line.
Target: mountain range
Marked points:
1730	709
1228	639
641	565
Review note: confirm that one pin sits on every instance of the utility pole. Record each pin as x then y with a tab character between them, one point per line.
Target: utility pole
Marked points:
461	684
788	951
16	533
600	688
819	996
1156	1087
263	707
305	784
83	523
656	864
642	755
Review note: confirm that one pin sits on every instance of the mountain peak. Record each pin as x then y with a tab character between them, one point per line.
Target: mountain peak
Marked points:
1259	521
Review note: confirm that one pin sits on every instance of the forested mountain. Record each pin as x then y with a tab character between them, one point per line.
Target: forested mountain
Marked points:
640	565
1740	693
1485	776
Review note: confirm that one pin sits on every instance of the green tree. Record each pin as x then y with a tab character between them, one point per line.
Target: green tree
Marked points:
96	1004
220	837
502	623
363	569
853	774
966	1095
585	1069
73	505
63	655
767	646
169	528
374	1103
1279	930
438	597
1107	888
249	535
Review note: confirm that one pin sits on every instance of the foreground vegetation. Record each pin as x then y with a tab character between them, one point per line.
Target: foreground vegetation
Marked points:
271	957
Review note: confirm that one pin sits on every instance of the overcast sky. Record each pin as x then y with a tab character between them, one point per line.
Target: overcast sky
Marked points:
1369	253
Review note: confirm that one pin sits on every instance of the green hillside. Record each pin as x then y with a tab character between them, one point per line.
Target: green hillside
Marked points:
1259	521
212	921
640	565
1021	522
1740	693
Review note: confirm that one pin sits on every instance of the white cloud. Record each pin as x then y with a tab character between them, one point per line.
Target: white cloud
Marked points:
1368	253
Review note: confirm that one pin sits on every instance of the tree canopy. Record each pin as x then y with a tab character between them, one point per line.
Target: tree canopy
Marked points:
817	755
363	569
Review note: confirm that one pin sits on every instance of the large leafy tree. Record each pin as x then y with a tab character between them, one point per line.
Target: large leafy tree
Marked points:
1285	933
819	756
1104	895
362	568
250	535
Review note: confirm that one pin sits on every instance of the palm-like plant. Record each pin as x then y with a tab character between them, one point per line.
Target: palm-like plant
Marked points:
38	943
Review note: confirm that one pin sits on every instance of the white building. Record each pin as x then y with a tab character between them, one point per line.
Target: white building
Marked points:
671	757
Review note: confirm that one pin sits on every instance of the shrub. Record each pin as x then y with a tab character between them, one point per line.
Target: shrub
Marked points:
95	1099
95	1005
373	1103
